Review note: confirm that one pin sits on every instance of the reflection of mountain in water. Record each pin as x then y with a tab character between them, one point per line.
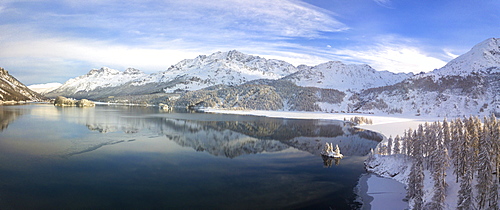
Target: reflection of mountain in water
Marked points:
7	116
233	138
219	135
307	135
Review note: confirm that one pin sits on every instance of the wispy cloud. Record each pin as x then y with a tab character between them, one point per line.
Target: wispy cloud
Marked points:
149	35
384	3
66	38
394	55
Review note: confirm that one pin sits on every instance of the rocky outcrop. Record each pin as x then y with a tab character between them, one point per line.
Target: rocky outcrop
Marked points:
85	103
63	101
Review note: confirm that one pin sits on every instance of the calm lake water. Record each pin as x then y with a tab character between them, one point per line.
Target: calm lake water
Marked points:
143	158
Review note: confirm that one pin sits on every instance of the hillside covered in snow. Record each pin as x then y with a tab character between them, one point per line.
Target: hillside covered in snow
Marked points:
469	84
222	68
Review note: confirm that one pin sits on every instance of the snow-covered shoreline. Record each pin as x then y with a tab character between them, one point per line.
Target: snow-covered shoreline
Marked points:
376	192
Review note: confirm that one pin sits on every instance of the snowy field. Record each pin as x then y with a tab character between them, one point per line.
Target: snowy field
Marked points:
376	192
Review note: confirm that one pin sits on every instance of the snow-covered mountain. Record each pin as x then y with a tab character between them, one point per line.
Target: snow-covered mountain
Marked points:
343	77
13	90
222	68
45	88
469	84
482	58
228	68
95	80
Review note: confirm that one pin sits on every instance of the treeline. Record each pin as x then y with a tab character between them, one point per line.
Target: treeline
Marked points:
359	120
468	146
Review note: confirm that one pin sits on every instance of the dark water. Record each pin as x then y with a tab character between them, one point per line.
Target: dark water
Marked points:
142	158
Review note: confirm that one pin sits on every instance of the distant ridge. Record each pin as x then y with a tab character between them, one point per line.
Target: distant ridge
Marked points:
223	68
469	84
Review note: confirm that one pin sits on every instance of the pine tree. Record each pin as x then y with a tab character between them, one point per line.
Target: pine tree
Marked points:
404	141
494	129
466	171
473	126
484	167
389	145
397	145
495	136
419	169
455	144
439	159
446	133
410	143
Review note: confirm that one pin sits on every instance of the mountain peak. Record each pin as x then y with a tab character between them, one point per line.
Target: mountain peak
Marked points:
132	71
103	70
483	57
230	55
340	76
491	44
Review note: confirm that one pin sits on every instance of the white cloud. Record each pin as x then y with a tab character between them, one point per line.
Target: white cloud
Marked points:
152	36
200	19
96	52
393	57
450	54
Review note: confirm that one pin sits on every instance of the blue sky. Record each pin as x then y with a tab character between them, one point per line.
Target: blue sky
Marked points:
52	41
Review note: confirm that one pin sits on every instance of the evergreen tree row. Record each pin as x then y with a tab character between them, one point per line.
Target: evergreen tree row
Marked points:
468	146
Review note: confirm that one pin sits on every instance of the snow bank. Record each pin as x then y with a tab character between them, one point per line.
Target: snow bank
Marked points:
396	167
381	193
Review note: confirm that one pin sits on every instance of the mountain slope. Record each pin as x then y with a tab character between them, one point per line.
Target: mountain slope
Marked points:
45	88
482	58
94	81
469	84
13	90
227	68
340	76
222	68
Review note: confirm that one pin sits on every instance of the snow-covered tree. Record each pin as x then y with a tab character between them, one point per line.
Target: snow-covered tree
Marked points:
397	145
493	132
446	132
389	146
484	168
404	142
419	167
455	144
474	152
438	163
466	171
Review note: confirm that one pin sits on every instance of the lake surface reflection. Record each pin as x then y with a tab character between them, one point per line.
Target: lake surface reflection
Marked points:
142	158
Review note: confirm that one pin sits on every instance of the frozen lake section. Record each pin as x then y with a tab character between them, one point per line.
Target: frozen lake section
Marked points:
376	192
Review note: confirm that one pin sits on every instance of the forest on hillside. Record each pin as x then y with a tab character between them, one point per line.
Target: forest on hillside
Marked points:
468	147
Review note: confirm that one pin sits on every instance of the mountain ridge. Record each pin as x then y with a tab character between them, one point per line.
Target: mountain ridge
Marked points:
466	85
220	68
